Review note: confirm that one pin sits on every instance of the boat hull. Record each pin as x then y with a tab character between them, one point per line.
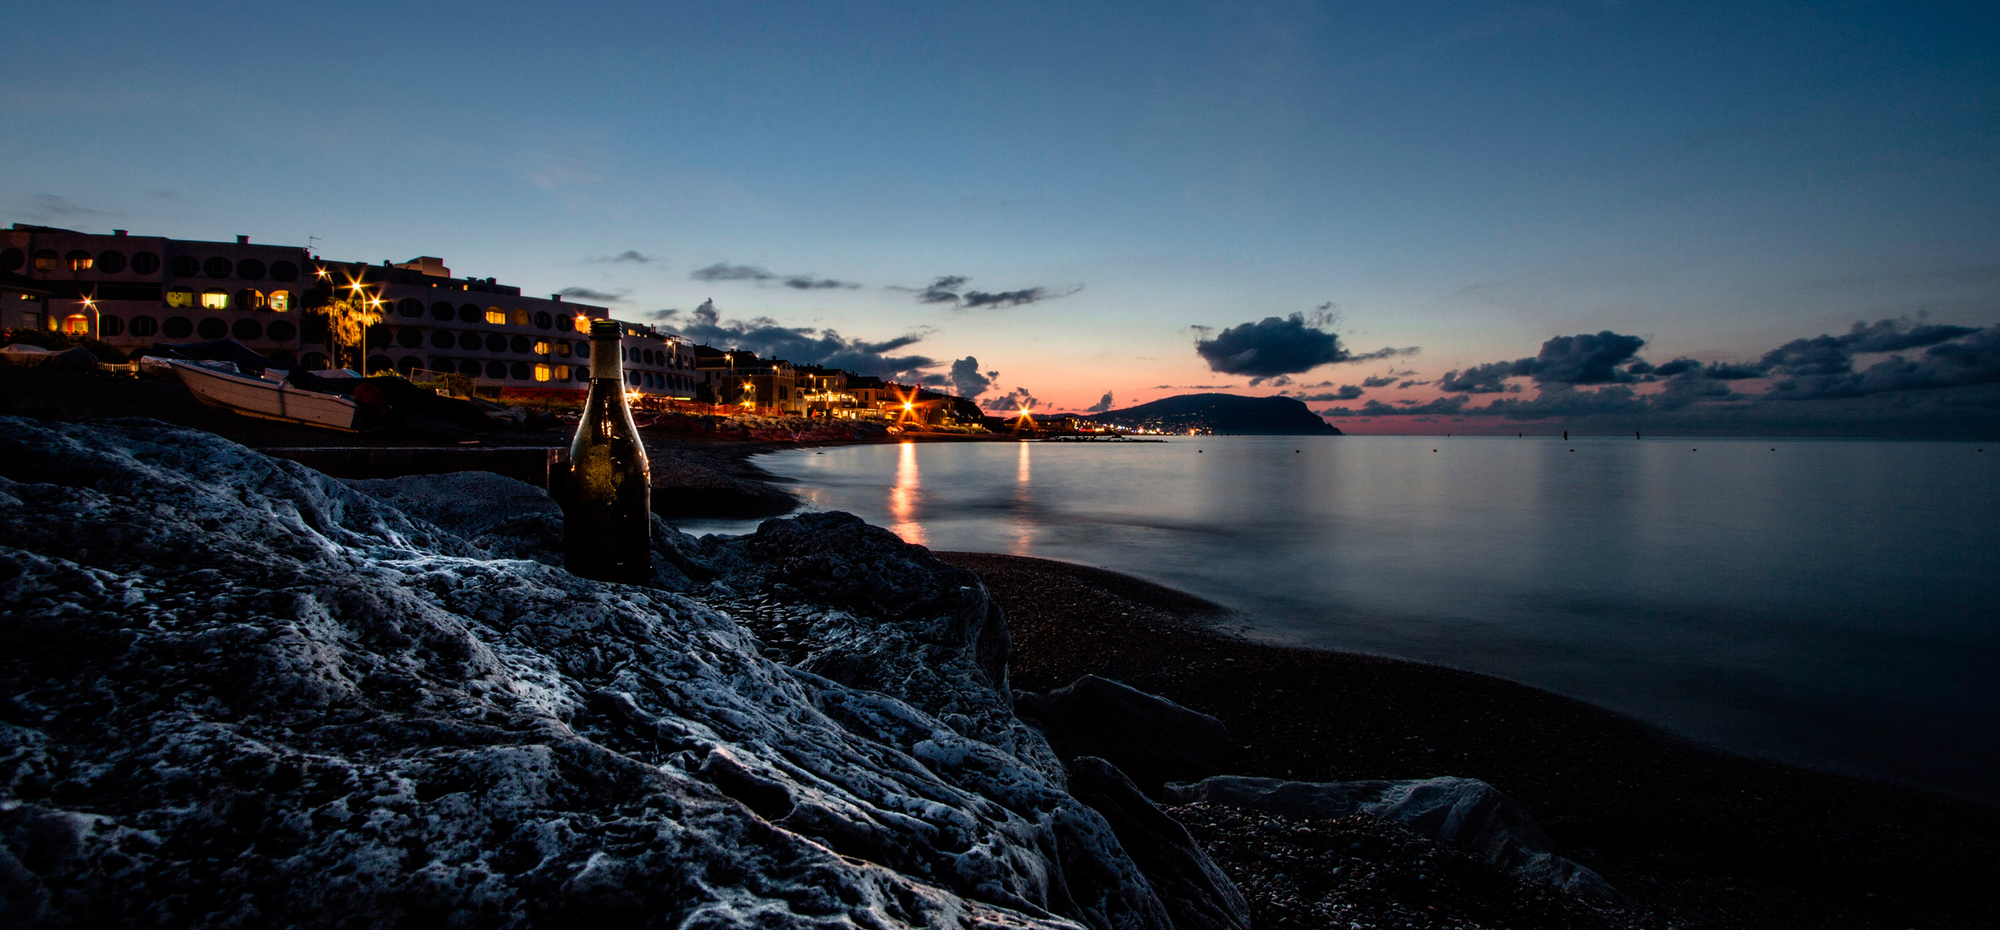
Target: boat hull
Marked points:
268	400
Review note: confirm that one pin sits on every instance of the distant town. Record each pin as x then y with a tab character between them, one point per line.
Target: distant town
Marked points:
121	295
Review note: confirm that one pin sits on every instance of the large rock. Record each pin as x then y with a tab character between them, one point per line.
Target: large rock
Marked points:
241	693
1465	811
1149	738
1197	895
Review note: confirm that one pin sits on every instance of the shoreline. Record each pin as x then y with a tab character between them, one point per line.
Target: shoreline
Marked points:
1693	834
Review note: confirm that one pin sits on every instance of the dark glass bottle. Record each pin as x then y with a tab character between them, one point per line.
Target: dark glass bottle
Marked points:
607	523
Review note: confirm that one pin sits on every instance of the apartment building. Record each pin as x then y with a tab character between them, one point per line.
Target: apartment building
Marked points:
133	291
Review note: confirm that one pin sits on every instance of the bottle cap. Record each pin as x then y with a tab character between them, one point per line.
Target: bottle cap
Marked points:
604	329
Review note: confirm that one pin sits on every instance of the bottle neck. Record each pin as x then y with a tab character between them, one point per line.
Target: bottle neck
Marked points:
605	365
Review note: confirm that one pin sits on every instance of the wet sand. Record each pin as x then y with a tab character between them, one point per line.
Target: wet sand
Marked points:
1696	837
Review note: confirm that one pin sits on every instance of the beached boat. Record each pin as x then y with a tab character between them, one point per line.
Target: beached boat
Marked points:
219	384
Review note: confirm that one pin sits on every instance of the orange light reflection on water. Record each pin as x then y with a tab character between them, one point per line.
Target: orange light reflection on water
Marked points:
1024	529
903	497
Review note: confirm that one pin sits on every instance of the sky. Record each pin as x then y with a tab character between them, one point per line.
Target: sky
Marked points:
1399	212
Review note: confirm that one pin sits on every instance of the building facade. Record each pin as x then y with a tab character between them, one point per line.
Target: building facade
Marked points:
511	345
134	291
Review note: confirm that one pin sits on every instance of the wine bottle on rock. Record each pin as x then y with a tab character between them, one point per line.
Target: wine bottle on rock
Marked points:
607	523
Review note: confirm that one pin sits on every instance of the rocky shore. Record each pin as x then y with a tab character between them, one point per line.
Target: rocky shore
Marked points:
245	693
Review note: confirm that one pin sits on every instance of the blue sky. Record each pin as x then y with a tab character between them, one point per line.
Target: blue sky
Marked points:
1470	180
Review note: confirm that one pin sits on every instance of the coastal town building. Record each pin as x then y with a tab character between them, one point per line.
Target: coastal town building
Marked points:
131	292
512	345
415	318
737	377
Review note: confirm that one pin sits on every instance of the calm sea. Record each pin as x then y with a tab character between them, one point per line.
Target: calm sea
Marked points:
1825	602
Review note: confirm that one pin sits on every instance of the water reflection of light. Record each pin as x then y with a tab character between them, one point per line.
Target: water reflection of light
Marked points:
1024	517
903	497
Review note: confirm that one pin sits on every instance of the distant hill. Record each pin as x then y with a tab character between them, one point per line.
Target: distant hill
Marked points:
1223	414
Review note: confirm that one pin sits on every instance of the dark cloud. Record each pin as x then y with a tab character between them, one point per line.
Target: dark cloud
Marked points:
1385	352
1001	300
584	293
628	256
1581	359
949	290
1490	378
1271	347
1586	359
1951	388
1834	355
1718	371
1103	404
1195	387
967	382
808	346
942	291
1963	362
1274	347
1016	399
1408	383
1346	392
1375	381
723	271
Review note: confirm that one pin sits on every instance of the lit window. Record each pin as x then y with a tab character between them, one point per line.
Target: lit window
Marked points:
495	315
76	324
520	318
180	297
541	348
213	299
543	373
281	301
45	260
249	299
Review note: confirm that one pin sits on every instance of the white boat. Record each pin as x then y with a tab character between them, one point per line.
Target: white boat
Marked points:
219	384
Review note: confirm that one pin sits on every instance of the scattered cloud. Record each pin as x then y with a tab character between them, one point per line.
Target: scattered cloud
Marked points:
629	256
584	293
1195	387
966	380
1104	404
950	290
1834	355
1952	387
723	271
1016	399
51	208
809	346
1375	381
